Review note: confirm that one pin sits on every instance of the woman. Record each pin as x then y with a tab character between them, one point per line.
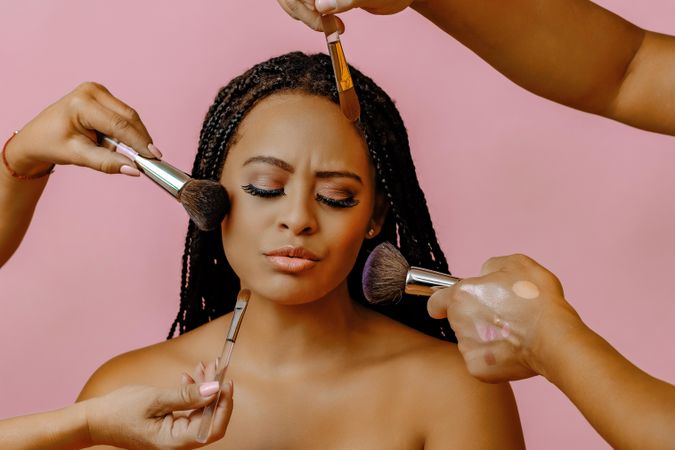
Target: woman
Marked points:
311	195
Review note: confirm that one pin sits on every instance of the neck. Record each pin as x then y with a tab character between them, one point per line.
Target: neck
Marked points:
292	337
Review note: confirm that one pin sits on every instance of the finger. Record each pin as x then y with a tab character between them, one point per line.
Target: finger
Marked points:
439	302
336	6
223	412
300	11
340	25
93	116
210	371
494	264
107	100
86	154
185	378
184	397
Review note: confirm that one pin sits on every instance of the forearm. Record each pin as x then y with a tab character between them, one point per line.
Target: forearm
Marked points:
18	199
573	52
629	408
55	430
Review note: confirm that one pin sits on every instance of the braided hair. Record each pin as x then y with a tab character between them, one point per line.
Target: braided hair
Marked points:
208	283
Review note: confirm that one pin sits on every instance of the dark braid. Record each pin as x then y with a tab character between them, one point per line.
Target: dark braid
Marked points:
209	285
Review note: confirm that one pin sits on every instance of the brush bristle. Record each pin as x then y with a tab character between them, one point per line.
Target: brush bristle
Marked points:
384	274
206	203
349	104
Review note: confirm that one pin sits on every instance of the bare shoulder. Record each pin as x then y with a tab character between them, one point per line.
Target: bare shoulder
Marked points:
452	408
159	364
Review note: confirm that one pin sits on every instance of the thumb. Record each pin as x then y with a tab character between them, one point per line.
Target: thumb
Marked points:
440	301
186	397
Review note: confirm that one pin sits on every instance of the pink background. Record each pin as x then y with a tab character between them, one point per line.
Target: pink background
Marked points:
504	172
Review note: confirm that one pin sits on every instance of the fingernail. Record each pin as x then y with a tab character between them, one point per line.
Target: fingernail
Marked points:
155	151
131	171
325	5
208	389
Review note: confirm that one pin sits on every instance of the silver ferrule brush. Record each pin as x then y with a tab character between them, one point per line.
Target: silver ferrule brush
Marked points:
172	180
420	281
387	276
206	201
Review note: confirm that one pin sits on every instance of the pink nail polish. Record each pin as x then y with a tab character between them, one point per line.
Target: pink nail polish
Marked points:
210	388
155	151
131	171
325	6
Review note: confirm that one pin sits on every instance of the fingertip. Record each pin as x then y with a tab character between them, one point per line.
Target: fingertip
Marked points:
130	171
155	151
340	25
325	6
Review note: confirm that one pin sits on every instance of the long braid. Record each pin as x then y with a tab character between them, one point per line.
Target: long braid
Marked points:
208	283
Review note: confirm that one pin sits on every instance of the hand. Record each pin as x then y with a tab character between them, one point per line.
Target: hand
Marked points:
142	417
65	133
310	11
503	317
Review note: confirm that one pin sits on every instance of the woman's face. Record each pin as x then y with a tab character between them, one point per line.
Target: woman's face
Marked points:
302	191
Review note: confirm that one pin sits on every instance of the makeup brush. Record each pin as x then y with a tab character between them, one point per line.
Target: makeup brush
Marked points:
205	201
387	276
349	102
223	363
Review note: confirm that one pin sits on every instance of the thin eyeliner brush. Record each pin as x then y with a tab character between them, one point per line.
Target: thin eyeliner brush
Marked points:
223	363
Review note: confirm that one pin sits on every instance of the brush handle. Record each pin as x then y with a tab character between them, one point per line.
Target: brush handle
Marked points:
420	281
337	55
209	410
223	363
164	174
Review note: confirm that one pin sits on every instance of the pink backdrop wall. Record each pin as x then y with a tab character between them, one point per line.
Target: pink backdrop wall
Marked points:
504	172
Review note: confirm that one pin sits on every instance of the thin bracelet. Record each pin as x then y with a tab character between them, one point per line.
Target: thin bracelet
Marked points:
18	175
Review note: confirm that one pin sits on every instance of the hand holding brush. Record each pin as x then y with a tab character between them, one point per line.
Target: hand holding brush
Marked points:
496	317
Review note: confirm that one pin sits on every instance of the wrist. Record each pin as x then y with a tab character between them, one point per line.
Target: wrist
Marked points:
93	428
556	330
83	433
17	163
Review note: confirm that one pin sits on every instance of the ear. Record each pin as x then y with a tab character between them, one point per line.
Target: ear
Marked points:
379	215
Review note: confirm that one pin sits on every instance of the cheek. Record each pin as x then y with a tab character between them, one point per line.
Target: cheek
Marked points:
345	241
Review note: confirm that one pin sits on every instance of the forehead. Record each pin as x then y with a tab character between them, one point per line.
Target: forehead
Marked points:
301	128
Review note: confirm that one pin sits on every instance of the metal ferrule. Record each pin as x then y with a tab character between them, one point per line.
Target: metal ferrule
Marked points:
238	314
164	174
421	281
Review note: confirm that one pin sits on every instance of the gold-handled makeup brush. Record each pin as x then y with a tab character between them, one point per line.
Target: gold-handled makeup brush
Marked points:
349	101
205	201
387	276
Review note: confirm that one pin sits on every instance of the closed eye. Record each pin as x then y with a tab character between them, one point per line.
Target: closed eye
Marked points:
265	193
337	203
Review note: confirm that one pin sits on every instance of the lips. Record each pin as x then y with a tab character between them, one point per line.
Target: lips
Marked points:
290	259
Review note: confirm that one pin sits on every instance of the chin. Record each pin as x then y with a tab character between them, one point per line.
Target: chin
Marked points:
287	290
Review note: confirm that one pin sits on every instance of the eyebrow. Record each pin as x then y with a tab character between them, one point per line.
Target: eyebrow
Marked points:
290	169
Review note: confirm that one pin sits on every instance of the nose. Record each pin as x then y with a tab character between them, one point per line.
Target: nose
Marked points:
298	215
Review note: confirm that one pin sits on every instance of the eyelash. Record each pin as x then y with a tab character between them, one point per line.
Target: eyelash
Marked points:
269	193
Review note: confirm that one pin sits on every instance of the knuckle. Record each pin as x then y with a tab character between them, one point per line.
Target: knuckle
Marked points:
109	166
293	7
132	114
77	101
88	87
119	123
521	259
184	393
